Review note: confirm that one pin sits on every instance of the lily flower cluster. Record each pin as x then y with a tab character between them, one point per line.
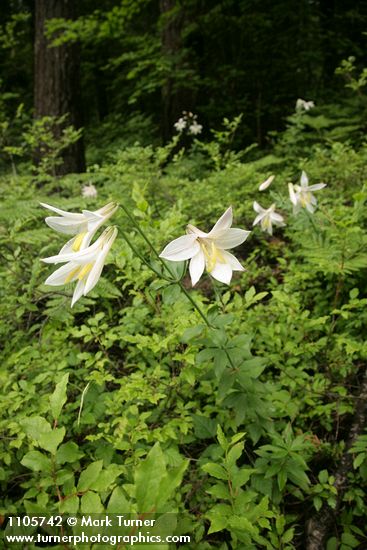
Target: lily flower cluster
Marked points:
188	122
89	191
301	195
83	261
267	217
209	250
303	105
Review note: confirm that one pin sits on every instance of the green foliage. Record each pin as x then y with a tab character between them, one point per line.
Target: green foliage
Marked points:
132	403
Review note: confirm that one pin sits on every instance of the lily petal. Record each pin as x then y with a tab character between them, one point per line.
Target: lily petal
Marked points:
304	179
224	222
259	209
58	277
183	248
78	291
292	195
96	270
276	218
265	184
316	186
64	225
233	262
197	266
74	215
222	272
231	238
258	218
191	229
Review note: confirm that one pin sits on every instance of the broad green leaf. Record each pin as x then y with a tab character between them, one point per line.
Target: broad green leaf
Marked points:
90	503
35	426
68	452
288	535
323	476
221	438
170	482
205	428
148	476
192	333
220	490
58	398
36	461
118	504
217	523
242	476
106	477
69	505
237	437
215	470
282	479
234	454
350	540
89	475
50	441
359	460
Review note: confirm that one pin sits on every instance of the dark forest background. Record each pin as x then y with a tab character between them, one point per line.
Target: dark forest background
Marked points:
125	70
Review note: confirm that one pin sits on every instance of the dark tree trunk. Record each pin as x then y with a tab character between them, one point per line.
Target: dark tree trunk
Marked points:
56	79
175	98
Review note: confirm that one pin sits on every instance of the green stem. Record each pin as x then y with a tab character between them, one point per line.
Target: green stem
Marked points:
146	239
195	305
136	251
314	227
165	266
152	248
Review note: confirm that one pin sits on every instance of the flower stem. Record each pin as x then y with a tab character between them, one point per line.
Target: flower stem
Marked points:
174	280
136	251
142	233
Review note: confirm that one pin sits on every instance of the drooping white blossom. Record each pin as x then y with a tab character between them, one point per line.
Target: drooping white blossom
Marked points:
84	266
303	105
301	196
265	184
209	250
180	125
83	225
89	191
267	218
195	128
188	123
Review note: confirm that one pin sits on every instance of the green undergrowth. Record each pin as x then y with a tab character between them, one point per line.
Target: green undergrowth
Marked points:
127	402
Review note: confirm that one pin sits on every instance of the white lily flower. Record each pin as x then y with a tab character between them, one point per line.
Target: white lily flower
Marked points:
83	225
89	191
195	128
267	217
209	250
265	184
85	266
302	105
301	195
180	125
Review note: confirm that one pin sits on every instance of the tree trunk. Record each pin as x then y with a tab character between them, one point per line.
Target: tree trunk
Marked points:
56	79
175	98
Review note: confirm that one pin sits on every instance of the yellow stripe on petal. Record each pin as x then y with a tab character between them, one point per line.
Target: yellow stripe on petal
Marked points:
78	241
72	274
212	255
84	272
